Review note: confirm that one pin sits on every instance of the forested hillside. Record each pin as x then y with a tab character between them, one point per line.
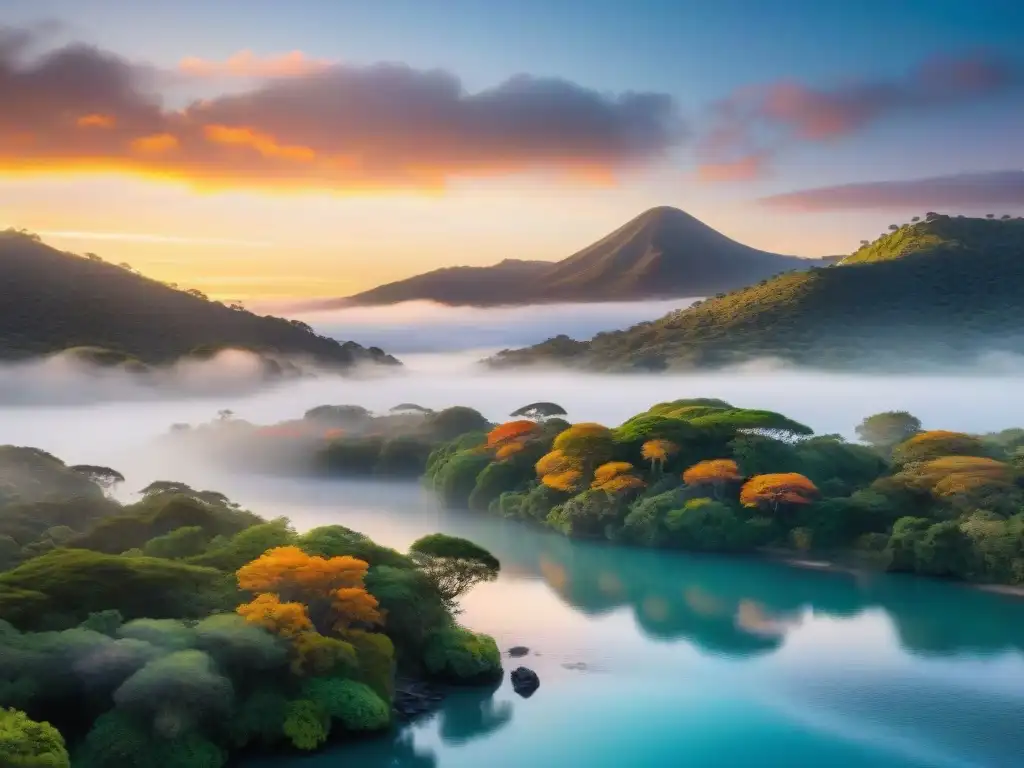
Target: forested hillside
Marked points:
932	293
53	301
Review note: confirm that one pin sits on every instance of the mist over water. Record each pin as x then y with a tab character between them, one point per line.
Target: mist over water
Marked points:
423	326
643	655
44	408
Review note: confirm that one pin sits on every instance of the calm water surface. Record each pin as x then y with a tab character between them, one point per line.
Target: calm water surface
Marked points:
662	659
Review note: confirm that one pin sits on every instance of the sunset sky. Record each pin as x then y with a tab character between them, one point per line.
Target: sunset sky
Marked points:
260	149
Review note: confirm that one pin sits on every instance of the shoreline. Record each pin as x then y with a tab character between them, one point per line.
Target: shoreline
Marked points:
795	560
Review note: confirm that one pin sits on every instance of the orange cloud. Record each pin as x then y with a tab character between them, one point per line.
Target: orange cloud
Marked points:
96	121
343	129
249	64
263	143
155	144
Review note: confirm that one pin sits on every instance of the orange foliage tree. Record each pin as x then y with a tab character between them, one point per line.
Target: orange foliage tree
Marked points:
559	471
510	431
331	589
714	472
775	490
658	452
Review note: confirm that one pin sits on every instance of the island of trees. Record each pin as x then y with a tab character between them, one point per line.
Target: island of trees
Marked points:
692	474
174	631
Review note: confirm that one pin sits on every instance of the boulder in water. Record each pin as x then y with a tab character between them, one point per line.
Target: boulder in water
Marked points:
525	681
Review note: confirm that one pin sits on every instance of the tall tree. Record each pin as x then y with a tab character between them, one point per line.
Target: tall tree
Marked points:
453	565
658	452
105	477
539	411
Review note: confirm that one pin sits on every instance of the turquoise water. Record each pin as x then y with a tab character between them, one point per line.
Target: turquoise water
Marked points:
651	659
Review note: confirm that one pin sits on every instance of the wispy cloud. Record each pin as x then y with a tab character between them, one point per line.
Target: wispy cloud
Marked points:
340	128
963	191
246	64
140	237
762	121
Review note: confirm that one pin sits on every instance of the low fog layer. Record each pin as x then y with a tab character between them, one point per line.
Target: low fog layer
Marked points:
63	380
118	433
422	326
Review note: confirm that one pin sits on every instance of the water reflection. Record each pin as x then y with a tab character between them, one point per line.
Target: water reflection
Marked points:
734	607
472	714
740	607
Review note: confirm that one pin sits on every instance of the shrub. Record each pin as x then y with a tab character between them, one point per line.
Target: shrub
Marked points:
457	655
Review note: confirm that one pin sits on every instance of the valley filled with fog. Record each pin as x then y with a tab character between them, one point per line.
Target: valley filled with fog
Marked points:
107	416
820	667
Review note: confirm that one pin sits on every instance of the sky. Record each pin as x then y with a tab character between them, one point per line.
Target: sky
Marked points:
256	149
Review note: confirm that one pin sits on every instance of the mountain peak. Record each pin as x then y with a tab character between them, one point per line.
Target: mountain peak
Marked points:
661	253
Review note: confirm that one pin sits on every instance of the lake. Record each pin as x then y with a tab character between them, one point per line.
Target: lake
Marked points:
646	659
661	659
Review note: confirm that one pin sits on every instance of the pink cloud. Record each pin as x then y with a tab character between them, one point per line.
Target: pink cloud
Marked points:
246	64
963	191
762	120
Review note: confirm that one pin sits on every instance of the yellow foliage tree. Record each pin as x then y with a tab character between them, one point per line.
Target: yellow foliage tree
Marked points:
568	481
285	619
616	477
608	472
937	443
588	442
658	452
774	490
559	471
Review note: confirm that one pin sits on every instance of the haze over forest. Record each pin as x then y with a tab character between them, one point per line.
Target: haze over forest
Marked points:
451	384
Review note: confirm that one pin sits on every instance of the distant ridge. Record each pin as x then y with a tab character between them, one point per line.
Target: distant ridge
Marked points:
54	301
662	253
932	293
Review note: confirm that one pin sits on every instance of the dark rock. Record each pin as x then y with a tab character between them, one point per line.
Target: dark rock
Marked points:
525	681
518	650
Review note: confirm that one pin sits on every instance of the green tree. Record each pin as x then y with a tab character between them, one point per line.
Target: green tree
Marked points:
458	420
179	543
887	429
305	724
453	565
24	743
539	411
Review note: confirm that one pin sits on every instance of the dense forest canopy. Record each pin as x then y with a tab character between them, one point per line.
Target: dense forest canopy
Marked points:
180	628
932	293
698	474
